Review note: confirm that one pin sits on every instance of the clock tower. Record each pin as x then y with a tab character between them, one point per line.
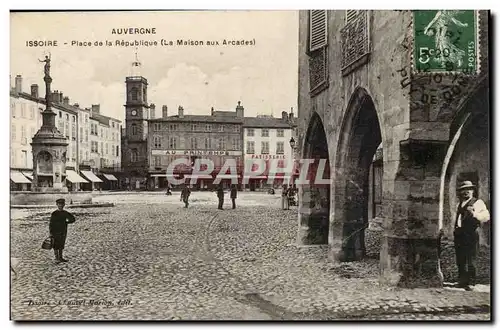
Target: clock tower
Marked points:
134	149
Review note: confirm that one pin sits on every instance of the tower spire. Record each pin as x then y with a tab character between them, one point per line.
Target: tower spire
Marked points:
136	66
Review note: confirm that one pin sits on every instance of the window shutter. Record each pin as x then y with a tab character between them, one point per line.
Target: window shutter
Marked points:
350	15
317	29
355	41
318	70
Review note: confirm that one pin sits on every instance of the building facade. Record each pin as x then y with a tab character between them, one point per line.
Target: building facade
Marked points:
134	142
71	120
268	138
217	138
359	93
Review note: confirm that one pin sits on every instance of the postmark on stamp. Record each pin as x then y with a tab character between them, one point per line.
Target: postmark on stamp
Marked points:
445	41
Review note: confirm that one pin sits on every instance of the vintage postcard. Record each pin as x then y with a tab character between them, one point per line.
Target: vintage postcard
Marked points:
250	165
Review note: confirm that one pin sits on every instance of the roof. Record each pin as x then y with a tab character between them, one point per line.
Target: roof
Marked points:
200	118
225	113
61	106
265	122
100	118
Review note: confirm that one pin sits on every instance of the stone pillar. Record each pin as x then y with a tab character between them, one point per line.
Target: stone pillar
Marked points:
314	209
409	255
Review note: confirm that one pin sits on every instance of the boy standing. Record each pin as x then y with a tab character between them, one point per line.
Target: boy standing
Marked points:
58	228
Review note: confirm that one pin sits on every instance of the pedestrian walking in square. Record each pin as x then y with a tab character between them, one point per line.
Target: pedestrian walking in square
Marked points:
220	196
284	198
471	213
291	196
185	193
234	195
58	228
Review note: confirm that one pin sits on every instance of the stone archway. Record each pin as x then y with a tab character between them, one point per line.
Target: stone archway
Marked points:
467	158
360	136
314	208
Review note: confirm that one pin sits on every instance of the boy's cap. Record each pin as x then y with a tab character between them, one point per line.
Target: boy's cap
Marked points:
61	201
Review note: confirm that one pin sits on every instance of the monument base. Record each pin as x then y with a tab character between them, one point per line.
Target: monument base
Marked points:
50	189
49	197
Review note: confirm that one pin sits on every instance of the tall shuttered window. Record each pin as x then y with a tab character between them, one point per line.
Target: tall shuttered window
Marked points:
317	50
355	40
317	29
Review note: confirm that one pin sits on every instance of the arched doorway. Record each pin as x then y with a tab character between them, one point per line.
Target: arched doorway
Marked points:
467	158
360	137
314	209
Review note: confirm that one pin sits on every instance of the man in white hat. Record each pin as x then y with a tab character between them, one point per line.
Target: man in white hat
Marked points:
471	213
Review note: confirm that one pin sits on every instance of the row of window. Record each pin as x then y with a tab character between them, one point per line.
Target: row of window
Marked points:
199	127
264	147
264	132
23	134
195	143
32	112
105	148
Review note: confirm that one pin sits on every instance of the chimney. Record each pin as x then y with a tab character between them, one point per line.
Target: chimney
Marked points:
284	115
152	111
76	105
96	108
66	100
181	112
212	111
34	90
55	97
19	84
60	97
164	111
240	110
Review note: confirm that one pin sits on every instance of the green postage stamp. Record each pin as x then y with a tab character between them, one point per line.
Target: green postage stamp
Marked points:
445	41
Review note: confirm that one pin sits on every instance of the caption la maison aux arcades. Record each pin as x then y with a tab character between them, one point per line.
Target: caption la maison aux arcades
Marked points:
150	42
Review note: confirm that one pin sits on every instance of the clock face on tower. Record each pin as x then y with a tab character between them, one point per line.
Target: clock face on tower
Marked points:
134	112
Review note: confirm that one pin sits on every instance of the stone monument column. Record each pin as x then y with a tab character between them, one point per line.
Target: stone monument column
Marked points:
48	145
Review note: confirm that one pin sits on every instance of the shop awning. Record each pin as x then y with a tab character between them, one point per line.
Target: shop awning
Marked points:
110	177
91	176
74	177
18	177
28	174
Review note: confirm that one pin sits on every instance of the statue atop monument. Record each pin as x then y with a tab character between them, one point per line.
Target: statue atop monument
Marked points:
47	66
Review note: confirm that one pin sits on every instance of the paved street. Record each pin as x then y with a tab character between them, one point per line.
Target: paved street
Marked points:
148	258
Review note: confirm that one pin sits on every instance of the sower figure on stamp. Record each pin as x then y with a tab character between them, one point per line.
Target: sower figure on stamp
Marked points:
234	195
220	196
58	228
471	212
185	193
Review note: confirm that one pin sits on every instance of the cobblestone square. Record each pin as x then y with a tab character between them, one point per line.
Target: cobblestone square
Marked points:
148	258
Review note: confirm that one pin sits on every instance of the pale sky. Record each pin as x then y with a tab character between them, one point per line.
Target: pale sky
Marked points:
264	77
